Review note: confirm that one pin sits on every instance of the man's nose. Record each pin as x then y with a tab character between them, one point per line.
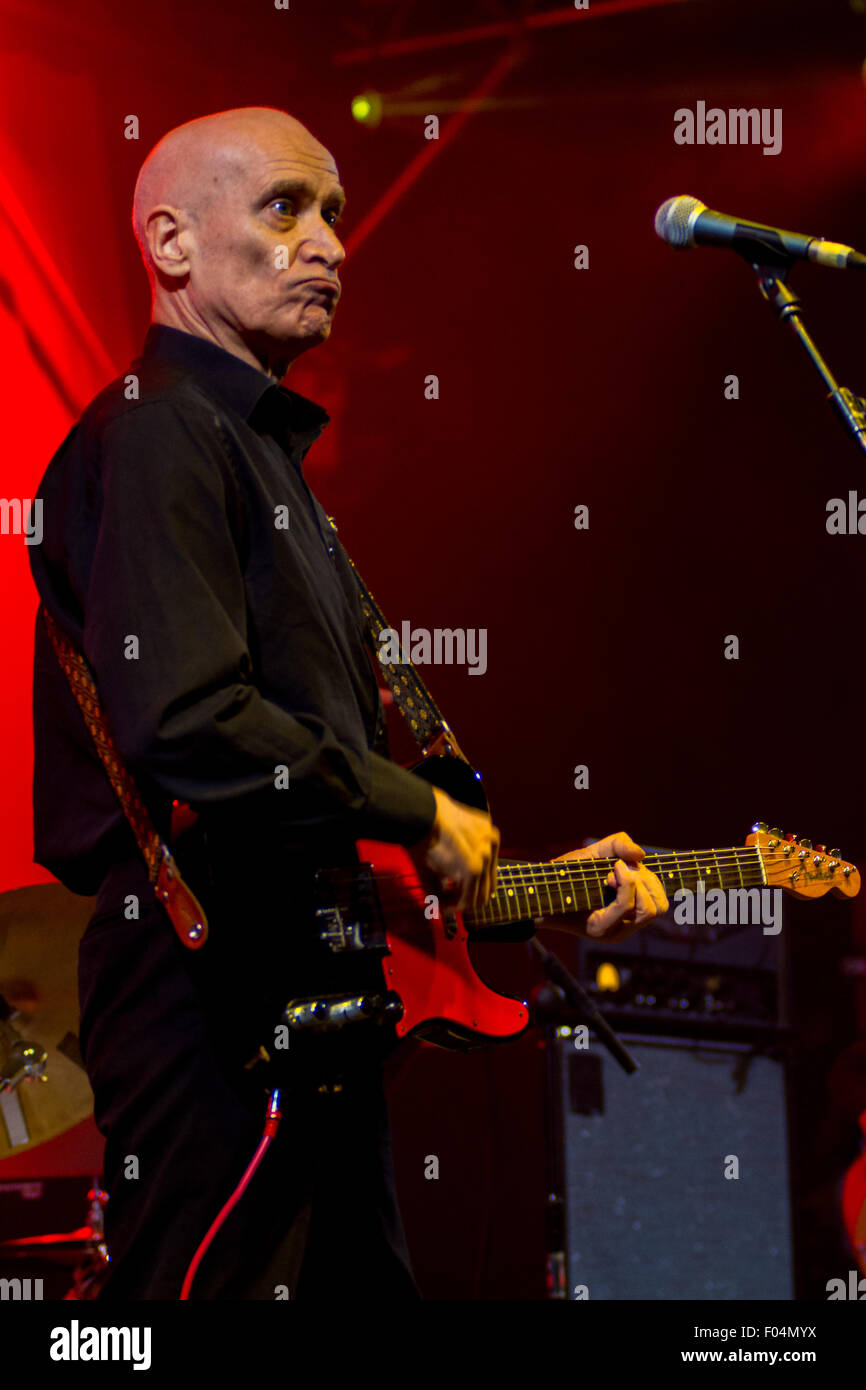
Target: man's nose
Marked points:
324	244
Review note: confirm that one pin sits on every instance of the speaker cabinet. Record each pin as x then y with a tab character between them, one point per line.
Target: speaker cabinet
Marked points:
674	1179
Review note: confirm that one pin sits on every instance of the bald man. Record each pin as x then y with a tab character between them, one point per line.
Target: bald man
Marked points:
227	648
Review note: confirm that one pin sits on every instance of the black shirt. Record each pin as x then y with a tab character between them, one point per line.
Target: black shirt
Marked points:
184	554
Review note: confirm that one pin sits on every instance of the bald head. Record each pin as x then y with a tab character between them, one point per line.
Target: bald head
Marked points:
190	164
234	215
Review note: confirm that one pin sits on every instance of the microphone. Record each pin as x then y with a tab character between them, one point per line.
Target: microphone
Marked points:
686	221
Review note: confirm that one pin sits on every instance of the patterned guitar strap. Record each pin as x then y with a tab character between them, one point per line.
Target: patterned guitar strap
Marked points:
181	904
411	696
416	704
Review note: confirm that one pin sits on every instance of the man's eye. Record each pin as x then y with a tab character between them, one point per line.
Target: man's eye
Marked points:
287	203
332	218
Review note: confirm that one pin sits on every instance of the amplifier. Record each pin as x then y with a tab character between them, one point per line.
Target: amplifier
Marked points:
684	996
671	1183
728	983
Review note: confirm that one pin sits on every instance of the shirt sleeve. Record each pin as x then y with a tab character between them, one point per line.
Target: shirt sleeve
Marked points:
166	636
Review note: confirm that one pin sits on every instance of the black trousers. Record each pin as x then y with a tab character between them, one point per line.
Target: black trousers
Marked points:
164	1034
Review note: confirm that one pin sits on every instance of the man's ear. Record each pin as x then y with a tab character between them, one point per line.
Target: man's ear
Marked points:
167	232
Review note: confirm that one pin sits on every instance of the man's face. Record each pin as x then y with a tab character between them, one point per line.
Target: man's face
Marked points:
266	256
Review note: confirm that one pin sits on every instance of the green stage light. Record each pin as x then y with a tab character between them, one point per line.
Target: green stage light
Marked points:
367	108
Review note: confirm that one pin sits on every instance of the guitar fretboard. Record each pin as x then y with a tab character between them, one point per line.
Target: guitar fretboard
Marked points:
562	887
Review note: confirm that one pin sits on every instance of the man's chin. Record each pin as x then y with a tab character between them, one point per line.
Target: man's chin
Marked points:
280	349
308	333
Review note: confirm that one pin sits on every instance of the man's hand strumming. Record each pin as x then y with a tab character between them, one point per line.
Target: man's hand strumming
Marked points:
462	850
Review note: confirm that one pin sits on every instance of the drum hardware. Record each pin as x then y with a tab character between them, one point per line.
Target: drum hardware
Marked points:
84	1249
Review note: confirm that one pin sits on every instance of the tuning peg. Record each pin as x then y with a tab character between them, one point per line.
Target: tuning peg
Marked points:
760	826
774	830
834	854
807	844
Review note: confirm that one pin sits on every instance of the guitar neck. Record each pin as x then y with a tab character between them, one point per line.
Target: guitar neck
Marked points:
564	887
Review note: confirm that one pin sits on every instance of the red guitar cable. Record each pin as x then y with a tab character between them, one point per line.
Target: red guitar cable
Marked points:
272	1123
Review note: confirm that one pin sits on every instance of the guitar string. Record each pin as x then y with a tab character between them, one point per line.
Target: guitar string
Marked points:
509	905
548	876
524	887
548	872
688	859
524	877
517	904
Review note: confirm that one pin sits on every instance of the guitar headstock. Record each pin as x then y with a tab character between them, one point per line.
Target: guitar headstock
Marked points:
801	868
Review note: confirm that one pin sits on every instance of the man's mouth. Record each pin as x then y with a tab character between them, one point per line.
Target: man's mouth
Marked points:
325	287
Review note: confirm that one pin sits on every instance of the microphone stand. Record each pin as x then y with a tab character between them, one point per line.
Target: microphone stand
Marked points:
850	409
563	1001
571	1002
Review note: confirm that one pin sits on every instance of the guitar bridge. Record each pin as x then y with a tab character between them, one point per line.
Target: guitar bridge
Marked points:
349	919
338	934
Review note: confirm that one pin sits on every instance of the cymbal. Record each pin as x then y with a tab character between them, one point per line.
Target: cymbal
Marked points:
70	1254
40	927
57	1247
81	1235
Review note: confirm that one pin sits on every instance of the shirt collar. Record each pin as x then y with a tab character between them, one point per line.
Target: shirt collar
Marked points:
242	387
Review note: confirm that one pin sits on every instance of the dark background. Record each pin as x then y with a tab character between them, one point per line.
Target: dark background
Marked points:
557	387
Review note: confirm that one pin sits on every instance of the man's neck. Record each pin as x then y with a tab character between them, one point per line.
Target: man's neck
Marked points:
220	337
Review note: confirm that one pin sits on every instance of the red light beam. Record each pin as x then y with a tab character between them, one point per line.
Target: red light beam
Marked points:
547	19
416	166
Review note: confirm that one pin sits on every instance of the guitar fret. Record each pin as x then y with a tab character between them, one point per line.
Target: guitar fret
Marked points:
549	899
600	885
569	897
660	864
560	875
673	871
523	894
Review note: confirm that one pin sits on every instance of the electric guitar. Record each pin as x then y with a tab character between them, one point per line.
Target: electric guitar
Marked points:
388	908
